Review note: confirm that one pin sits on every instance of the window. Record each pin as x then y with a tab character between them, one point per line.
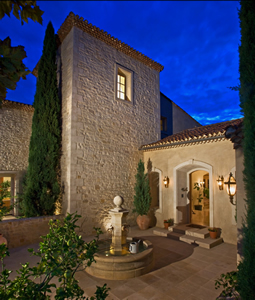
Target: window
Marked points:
124	84
121	86
163	123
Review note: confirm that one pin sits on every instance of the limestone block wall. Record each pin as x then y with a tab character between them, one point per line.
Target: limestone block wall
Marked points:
103	134
15	132
219	156
21	232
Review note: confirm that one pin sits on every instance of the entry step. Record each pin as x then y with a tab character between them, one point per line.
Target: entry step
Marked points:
174	236
207	243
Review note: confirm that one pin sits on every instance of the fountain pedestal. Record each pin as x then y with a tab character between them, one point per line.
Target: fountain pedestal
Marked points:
118	263
118	234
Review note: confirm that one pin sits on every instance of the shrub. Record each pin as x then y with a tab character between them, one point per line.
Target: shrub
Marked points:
62	253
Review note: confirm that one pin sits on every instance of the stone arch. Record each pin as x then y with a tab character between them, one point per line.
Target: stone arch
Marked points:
181	185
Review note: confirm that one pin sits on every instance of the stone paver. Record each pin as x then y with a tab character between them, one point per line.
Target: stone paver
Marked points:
180	273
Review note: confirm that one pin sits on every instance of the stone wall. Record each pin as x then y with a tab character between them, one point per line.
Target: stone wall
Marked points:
21	232
103	133
15	132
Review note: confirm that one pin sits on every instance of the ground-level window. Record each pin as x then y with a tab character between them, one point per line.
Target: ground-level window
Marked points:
6	201
124	83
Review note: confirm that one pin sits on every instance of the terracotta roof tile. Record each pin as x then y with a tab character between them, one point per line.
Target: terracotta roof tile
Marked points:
195	134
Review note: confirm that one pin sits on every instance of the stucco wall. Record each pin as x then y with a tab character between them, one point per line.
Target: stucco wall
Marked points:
182	120
103	133
220	157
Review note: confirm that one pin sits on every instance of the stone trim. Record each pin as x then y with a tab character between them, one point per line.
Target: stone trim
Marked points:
74	20
17	105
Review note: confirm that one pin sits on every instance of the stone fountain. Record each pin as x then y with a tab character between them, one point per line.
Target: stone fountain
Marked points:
114	260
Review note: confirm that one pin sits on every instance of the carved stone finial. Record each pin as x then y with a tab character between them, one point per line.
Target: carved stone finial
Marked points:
118	201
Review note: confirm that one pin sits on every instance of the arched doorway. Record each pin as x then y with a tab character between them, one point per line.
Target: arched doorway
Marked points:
183	191
199	197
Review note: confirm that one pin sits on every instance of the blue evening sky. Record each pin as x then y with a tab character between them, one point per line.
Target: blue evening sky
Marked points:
196	42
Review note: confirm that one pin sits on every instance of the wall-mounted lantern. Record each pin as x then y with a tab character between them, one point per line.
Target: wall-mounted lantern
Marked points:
220	181
231	187
166	181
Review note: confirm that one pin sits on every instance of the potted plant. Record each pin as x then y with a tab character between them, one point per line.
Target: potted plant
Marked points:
169	222
142	197
199	198
213	232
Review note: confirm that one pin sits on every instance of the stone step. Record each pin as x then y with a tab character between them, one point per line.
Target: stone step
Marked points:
160	232
207	243
174	236
199	233
178	230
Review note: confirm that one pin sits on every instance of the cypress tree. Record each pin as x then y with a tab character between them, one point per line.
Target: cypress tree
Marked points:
246	269
42	190
142	197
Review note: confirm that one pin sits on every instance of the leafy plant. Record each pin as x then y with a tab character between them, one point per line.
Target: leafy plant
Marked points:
169	221
142	197
198	188
11	65
62	253
4	193
212	229
229	283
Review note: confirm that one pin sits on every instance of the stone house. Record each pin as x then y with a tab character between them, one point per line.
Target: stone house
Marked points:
111	106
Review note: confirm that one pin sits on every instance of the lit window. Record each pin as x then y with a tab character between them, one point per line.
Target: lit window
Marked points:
121	87
124	84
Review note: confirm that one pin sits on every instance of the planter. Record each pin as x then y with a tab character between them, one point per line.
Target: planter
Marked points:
213	234
166	225
143	222
3	240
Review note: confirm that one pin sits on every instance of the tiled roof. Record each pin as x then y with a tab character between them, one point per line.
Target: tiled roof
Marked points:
75	20
17	105
235	134
195	135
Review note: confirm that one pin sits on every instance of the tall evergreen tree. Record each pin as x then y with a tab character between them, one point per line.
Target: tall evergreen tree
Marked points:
142	197
246	269
42	189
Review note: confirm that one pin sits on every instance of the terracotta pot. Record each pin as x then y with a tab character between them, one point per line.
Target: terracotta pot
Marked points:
166	225
213	234
143	222
3	240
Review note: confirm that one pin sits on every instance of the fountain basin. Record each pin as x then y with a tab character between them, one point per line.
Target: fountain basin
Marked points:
123	267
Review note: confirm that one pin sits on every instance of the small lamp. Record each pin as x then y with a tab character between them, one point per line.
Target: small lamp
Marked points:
231	187
220	181
166	181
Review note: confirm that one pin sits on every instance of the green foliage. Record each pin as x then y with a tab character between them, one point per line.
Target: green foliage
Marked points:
4	193
169	221
62	253
246	270
42	189
142	197
22	10
11	65
228	282
198	188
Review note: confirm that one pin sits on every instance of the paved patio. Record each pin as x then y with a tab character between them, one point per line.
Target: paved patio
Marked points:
181	271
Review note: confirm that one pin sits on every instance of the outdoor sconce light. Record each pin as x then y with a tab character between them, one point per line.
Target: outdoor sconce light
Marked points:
231	187
166	181
220	181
